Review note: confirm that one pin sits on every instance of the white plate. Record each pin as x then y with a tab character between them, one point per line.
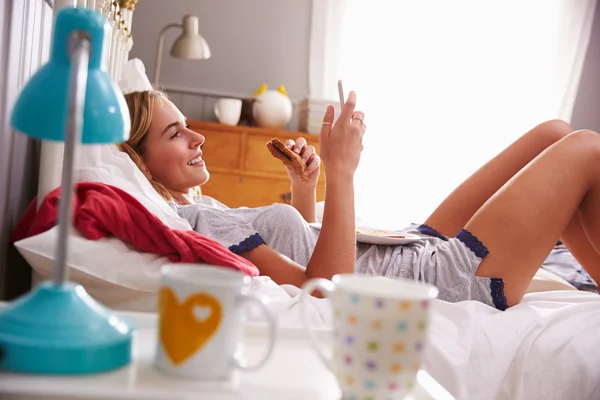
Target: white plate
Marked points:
384	236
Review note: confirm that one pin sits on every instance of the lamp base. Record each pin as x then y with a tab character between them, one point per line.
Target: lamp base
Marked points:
61	330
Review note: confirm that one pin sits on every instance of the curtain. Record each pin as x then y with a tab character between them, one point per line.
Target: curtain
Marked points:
326	36
25	27
445	86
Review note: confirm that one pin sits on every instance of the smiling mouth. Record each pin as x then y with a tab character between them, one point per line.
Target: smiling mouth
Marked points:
195	160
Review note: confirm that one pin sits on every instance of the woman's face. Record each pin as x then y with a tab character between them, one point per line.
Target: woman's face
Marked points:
172	152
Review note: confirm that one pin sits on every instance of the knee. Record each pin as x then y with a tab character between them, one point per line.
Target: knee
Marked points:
552	131
584	141
586	135
557	125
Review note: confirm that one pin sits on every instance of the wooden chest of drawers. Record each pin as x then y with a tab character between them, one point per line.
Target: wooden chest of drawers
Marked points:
242	171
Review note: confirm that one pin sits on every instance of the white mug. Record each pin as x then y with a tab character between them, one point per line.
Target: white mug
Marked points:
228	111
200	322
379	332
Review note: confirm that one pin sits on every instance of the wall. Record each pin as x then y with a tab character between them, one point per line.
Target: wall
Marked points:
268	41
252	42
586	113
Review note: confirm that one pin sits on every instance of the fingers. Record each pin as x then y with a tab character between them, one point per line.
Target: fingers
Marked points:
348	107
358	119
299	145
359	115
313	163
290	144
307	153
327	120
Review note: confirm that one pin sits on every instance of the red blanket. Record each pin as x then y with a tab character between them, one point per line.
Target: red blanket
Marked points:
102	210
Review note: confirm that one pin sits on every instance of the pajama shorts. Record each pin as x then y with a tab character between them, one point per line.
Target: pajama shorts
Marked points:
451	263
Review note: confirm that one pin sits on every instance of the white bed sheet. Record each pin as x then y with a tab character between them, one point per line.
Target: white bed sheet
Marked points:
544	348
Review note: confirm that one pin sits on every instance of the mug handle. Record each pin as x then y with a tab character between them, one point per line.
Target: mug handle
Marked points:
262	304
327	288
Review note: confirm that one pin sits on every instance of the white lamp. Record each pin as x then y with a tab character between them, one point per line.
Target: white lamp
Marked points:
190	45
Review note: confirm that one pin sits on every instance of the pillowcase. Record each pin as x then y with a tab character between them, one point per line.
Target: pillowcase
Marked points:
111	271
546	281
106	164
133	77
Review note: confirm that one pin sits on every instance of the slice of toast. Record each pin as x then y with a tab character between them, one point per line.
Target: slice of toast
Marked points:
379	232
288	157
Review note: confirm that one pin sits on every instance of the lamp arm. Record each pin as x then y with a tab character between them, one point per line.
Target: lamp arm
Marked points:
79	54
159	50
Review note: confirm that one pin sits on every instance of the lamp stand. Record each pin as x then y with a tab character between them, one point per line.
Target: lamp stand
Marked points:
57	328
159	50
80	48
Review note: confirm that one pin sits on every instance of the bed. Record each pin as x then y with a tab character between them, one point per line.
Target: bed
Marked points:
545	347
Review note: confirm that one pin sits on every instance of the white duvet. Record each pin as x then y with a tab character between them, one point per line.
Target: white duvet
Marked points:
547	347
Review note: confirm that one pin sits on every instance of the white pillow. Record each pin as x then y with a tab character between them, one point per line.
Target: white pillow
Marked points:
111	271
106	164
133	77
546	281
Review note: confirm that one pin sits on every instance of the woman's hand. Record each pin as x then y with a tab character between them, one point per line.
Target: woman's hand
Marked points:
310	158
341	143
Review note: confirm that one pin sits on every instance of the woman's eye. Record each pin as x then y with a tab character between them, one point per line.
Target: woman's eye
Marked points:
176	134
187	127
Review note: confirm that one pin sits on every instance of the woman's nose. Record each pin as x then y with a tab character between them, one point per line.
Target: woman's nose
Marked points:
196	140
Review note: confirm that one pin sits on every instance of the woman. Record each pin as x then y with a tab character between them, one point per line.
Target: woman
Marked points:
484	242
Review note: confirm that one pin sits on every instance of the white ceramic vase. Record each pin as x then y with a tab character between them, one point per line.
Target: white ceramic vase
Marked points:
272	109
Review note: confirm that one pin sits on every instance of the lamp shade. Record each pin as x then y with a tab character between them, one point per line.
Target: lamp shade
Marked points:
41	110
190	44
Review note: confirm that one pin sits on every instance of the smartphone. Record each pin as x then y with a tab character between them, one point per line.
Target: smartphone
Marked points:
341	93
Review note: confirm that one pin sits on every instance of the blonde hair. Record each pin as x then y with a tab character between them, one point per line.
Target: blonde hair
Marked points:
140	106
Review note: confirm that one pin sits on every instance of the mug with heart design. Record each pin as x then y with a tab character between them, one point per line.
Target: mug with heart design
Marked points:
200	317
379	333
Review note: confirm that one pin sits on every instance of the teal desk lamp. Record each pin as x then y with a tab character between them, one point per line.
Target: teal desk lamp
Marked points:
57	328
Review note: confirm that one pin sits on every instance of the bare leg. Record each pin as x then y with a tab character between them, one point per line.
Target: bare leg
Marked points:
460	206
521	222
576	240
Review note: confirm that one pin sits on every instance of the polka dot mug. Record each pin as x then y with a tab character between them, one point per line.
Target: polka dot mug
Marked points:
379	333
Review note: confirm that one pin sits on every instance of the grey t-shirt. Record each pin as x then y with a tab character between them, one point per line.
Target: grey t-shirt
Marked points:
282	227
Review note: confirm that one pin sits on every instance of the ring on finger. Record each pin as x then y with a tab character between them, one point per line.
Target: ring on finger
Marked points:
360	119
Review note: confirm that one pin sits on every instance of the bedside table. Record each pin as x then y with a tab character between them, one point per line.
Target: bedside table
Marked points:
294	372
242	171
